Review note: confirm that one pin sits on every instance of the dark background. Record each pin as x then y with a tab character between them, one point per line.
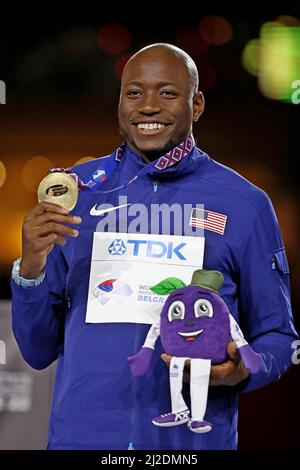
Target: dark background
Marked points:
62	85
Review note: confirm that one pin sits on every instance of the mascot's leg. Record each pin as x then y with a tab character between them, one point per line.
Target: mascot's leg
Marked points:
200	372
180	413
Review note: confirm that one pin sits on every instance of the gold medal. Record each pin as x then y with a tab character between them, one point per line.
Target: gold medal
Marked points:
58	188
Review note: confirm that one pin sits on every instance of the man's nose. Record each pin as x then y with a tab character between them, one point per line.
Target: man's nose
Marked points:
190	322
149	105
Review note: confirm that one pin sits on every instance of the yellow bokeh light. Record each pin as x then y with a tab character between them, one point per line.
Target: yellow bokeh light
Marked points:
275	58
279	60
83	160
34	171
250	56
2	173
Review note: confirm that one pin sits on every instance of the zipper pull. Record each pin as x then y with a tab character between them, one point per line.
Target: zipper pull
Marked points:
130	446
155	184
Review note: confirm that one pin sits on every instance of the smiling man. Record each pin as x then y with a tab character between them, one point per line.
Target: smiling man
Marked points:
159	100
60	278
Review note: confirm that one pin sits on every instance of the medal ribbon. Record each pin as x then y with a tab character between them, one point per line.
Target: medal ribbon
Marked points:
106	169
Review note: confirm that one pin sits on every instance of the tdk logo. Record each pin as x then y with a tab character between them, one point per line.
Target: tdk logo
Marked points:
154	249
151	249
117	247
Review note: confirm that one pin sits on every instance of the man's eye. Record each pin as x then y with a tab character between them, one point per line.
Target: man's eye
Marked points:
134	93
168	93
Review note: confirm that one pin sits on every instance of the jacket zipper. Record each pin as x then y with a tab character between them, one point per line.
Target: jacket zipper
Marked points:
154	191
136	337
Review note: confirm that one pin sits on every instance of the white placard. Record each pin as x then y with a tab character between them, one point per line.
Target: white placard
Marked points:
125	265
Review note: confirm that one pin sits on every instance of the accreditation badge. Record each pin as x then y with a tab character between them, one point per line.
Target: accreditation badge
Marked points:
125	266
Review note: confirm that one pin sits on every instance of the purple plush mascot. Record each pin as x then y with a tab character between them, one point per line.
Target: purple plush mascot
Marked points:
194	324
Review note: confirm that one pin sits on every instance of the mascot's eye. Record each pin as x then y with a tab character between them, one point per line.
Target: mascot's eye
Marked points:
203	308
176	311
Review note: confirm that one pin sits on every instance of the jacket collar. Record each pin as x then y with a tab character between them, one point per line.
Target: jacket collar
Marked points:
173	162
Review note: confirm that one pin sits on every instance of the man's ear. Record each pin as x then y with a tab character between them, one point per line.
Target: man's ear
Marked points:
198	105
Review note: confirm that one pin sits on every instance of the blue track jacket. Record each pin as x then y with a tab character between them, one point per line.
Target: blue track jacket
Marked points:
97	404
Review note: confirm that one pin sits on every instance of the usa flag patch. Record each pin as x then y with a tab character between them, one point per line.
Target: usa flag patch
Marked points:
208	220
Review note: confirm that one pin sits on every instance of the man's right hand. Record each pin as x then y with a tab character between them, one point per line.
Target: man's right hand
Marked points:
43	228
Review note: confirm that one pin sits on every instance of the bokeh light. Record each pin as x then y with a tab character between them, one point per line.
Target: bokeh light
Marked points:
279	60
191	42
114	38
216	30
250	56
275	58
83	160
2	173
120	64
34	171
287	20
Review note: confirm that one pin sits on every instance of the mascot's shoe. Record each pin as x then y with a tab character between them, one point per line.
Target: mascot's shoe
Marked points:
172	419
199	426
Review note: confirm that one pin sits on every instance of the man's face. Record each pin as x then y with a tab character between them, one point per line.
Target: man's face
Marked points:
157	103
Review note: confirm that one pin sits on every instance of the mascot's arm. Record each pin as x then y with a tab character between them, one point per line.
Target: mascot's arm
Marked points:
251	359
140	362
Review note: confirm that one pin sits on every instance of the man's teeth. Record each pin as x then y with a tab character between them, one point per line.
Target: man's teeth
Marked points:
150	126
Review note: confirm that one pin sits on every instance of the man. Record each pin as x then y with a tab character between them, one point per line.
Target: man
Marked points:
97	404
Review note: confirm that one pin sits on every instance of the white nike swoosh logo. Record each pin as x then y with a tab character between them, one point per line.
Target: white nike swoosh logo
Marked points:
96	212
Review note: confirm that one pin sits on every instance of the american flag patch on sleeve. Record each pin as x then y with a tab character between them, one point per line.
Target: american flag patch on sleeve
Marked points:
208	220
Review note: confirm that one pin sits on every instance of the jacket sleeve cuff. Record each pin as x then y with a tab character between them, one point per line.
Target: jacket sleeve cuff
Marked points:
31	294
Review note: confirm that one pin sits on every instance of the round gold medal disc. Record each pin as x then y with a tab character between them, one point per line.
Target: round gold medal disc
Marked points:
58	188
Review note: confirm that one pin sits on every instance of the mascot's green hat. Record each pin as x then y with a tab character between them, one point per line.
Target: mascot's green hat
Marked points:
212	280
